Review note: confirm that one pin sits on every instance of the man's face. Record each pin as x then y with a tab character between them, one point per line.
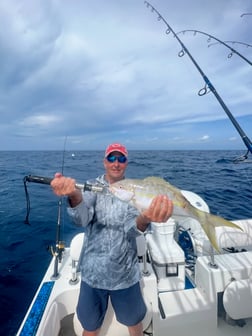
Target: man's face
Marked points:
114	170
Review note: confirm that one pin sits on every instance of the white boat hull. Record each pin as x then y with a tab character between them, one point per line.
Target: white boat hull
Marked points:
188	311
187	289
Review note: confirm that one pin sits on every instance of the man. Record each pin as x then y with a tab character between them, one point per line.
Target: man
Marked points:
108	263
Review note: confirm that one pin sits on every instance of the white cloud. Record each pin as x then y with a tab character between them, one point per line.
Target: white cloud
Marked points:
40	120
108	70
233	138
205	138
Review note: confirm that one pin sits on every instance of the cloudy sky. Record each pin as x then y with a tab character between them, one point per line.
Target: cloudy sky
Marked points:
103	71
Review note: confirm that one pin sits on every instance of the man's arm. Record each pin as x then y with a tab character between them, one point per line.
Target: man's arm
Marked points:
142	222
75	198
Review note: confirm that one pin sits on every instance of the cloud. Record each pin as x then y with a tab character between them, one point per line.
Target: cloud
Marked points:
108	70
205	138
39	121
233	138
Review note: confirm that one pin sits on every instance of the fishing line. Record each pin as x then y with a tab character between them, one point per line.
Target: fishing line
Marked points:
42	180
61	199
63	156
208	85
60	230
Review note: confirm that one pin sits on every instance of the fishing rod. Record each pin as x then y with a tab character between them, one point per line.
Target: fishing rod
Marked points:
208	85
47	181
245	14
233	51
57	252
60	246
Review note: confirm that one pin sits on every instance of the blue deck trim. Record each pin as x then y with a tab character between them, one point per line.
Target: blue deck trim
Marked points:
188	283
32	322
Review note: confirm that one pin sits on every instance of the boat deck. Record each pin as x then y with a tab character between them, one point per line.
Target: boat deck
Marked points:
66	326
192	310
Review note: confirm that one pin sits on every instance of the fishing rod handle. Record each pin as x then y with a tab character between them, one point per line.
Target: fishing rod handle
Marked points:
38	179
48	180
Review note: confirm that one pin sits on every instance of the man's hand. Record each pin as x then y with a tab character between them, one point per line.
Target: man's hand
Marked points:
160	211
63	186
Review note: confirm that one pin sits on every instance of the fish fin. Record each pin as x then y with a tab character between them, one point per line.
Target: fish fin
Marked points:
219	221
209	222
210	232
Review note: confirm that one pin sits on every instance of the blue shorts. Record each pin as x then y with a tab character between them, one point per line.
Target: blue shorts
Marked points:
128	305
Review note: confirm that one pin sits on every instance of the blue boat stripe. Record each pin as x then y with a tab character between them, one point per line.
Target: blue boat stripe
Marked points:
32	322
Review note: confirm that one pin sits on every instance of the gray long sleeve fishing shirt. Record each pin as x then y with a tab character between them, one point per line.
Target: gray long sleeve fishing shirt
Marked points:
109	255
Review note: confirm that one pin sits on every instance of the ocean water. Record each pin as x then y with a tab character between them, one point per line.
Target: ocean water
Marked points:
225	186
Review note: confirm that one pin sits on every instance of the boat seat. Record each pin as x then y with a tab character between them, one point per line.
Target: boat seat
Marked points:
237	299
76	245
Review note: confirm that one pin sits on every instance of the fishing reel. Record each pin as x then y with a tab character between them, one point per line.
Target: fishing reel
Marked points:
58	250
57	254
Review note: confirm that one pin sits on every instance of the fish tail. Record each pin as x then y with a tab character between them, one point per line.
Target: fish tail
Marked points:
209	222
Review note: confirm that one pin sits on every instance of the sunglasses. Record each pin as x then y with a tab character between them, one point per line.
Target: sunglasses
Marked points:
113	158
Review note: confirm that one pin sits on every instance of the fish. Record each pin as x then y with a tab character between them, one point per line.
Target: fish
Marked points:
140	193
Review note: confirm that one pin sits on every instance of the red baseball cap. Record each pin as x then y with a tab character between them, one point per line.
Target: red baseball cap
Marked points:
116	147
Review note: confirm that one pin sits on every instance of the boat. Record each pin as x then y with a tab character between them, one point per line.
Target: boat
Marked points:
188	287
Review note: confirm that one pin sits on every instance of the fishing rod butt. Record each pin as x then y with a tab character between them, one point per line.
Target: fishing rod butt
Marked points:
48	180
38	179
